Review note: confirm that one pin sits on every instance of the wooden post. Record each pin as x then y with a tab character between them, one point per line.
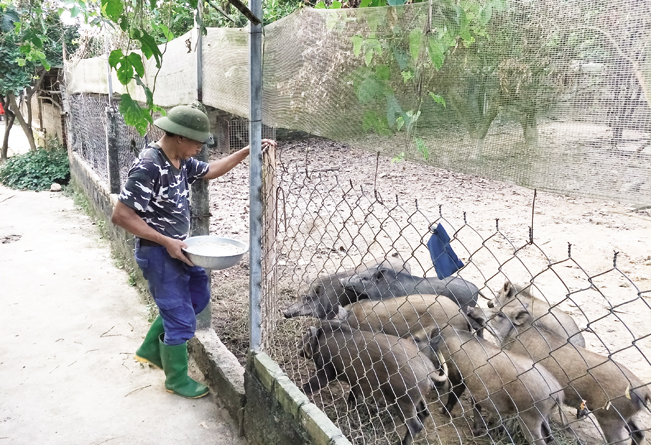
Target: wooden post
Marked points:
269	258
112	160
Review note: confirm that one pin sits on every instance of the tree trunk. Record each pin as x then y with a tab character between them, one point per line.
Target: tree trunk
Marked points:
9	116
21	121
476	121
28	97
530	127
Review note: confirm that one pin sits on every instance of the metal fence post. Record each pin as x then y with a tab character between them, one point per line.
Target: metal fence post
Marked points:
200	197
255	194
112	149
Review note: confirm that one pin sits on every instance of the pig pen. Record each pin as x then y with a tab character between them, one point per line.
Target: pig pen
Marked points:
338	206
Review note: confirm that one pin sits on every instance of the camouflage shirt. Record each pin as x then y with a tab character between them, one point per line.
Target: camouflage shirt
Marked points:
159	192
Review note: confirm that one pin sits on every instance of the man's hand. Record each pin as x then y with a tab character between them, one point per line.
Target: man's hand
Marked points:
174	247
266	143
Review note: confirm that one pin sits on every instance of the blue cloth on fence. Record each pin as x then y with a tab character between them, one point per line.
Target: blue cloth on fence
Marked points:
445	260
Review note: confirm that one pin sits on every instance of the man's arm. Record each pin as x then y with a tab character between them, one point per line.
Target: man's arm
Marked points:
224	165
127	218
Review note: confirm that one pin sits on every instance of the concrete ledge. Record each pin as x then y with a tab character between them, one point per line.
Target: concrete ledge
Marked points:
319	427
223	372
312	422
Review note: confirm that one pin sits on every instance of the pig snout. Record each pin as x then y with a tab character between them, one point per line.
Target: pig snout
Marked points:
300	309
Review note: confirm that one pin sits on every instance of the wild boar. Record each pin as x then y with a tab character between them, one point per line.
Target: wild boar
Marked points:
381	366
326	294
499	382
543	314
382	283
405	316
600	384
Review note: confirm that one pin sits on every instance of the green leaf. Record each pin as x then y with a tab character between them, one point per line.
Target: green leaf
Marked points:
134	114
148	93
368	57
124	71
382	72
357	44
422	149
9	20
124	24
375	45
36	41
166	32
396	2
115	57
320	5
365	3
393	109
437	98
136	62
113	9
399	157
485	14
74	12
407	76
335	5
401	57
369	89
415	38
400	122
436	53
149	48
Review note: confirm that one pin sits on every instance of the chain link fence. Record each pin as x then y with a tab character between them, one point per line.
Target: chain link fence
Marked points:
88	118
535	327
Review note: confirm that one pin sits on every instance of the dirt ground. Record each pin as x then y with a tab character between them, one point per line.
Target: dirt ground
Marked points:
594	257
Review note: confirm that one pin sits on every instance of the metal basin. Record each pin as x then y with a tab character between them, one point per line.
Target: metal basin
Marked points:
214	252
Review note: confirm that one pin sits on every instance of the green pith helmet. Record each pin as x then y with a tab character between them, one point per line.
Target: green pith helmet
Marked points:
187	121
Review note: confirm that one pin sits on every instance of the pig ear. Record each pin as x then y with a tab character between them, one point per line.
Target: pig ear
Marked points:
506	288
379	274
476	317
314	340
435	335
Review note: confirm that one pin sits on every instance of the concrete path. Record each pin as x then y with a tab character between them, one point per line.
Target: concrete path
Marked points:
69	325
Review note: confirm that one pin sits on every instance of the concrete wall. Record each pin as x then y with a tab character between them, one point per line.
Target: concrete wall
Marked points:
269	408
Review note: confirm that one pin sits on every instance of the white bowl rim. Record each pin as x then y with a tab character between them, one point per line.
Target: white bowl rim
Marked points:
222	239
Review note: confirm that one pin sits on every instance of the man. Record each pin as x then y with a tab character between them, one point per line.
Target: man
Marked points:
154	206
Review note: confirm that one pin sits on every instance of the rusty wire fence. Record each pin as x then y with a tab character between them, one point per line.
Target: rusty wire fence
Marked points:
542	328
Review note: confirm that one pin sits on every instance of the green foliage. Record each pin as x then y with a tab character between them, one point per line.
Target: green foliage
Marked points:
31	41
397	68
277	9
36	170
134	114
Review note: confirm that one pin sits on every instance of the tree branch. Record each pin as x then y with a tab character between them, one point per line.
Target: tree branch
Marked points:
636	66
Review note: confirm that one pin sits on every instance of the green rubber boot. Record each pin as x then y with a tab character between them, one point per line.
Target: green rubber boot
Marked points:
149	351
175	365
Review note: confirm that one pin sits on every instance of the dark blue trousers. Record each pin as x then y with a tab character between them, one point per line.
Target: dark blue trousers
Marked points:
180	291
